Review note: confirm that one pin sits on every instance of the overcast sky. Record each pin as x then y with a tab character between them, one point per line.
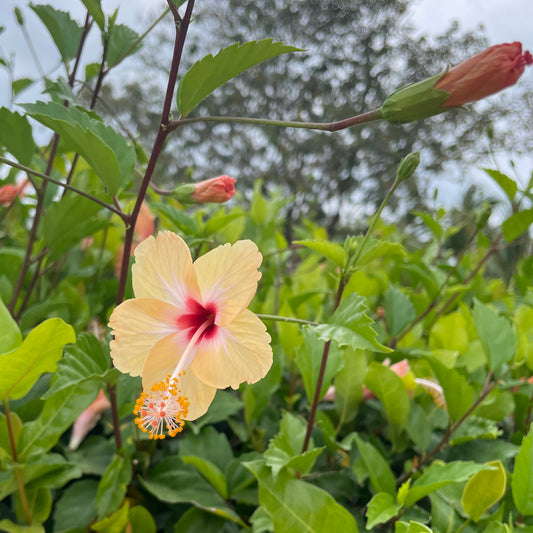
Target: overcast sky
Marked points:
504	21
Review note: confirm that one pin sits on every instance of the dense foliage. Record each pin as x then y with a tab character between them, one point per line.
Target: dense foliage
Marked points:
400	397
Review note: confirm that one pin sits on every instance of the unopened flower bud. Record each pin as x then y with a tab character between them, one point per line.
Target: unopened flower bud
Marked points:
486	73
215	190
407	166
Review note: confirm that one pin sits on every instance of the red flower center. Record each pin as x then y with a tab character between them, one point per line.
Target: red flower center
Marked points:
195	316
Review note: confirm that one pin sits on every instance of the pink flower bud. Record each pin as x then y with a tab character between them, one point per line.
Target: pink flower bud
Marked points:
7	194
486	73
88	419
216	190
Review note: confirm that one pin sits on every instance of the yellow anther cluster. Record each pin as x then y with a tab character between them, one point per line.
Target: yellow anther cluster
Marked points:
164	407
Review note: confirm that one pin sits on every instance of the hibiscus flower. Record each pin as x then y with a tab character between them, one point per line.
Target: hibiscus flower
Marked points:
188	331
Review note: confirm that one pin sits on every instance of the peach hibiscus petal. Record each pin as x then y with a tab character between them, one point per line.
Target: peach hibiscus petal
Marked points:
199	395
137	325
163	270
228	278
239	352
161	363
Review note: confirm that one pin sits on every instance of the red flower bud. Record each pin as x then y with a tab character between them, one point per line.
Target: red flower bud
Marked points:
487	73
216	190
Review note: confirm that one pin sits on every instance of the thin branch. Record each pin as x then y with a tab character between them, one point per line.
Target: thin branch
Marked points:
61	184
356	120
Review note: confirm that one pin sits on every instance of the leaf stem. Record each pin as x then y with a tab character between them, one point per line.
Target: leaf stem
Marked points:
316	398
61	184
278	318
33	230
356	120
18	474
374	221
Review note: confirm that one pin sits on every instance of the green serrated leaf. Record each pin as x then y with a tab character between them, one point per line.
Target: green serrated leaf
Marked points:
507	184
210	471
113	485
483	490
433	225
379	472
16	136
399	310
351	326
68	221
48	471
294	505
390	390
496	334
375	249
121	44
517	224
95	10
84	360
285	449
212	72
309	358
106	151
333	251
173	481
522	482
457	391
349	384
64	31
39	353
19	85
58	414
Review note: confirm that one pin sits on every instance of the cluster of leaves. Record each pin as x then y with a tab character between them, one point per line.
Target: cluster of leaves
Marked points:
432	449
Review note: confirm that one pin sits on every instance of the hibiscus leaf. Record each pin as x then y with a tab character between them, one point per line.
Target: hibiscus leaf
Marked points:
64	31
212	72
87	359
39	353
106	151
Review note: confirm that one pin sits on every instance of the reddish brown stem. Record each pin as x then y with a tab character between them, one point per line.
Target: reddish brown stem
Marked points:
33	231
181	32
323	363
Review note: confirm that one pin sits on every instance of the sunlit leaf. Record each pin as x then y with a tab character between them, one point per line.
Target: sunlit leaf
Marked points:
483	490
39	353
